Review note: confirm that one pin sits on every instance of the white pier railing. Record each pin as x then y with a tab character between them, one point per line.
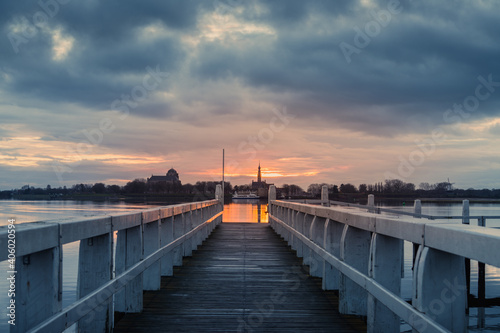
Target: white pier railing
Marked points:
148	244
360	254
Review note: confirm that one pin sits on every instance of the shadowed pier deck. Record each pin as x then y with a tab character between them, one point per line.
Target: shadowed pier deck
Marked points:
244	278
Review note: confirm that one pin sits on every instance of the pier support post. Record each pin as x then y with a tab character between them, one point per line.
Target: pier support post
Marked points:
151	233
128	253
332	238
439	288
38	287
355	251
95	267
385	268
166	237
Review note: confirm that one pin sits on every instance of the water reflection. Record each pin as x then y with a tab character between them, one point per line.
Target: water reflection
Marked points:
249	211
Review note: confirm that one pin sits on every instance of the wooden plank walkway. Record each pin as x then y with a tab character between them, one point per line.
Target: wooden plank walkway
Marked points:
244	278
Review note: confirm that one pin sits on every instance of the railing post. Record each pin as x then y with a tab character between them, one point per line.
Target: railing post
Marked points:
204	216
213	212
286	214
166	237
385	268
306	251
207	214
325	201
197	220
194	224
271	196
298	220
95	266
466	220
417	209
439	288
354	251
38	279
465	212
151	241
371	203
316	235
186	221
289	221
481	273
272	193
292	216
219	195
129	252
178	232
332	238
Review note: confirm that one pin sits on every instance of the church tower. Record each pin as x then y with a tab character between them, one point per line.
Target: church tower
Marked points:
259	176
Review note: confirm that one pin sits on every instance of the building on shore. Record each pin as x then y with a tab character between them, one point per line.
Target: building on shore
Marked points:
261	187
170	178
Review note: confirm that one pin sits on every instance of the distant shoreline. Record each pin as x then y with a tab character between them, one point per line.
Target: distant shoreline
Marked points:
459	200
148	198
180	198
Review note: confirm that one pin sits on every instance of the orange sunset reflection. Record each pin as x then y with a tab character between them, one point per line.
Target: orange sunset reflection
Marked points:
249	212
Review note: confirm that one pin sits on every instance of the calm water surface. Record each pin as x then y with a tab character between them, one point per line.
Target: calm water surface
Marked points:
246	211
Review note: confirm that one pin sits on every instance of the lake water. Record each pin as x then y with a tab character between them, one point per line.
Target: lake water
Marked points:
247	211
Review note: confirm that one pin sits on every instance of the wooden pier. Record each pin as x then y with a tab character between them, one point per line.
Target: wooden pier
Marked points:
243	279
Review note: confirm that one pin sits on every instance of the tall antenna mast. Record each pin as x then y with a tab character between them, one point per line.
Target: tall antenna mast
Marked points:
222	176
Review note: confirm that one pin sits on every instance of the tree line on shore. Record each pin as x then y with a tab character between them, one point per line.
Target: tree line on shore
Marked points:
206	189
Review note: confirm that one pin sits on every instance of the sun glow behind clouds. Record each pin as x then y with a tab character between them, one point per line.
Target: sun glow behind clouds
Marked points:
215	26
154	31
251	173
25	151
62	45
483	125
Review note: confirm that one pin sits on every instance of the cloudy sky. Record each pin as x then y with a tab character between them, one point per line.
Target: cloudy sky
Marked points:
317	91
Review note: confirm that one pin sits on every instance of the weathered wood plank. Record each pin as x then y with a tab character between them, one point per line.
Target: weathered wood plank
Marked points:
243	279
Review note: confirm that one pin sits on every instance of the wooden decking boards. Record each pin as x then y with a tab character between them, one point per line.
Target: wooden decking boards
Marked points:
244	278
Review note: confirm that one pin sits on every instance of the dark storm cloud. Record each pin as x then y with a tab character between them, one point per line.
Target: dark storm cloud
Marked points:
426	59
109	55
